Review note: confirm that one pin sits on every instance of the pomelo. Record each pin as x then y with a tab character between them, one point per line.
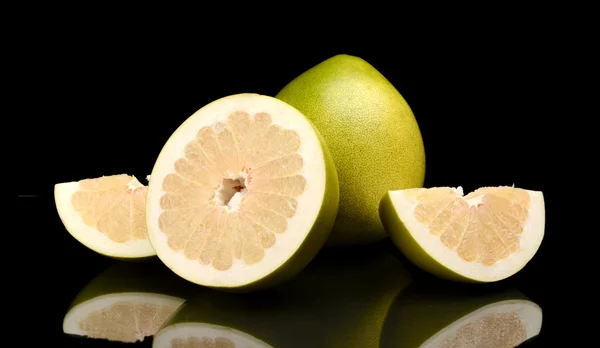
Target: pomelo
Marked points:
488	235
373	136
432	317
106	214
127	302
337	301
243	194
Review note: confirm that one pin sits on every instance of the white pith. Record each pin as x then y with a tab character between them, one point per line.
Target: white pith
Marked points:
308	207
531	238
83	310
204	330
528	312
89	236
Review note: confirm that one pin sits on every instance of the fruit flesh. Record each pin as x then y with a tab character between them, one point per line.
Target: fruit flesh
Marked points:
243	179
373	136
233	191
487	235
107	214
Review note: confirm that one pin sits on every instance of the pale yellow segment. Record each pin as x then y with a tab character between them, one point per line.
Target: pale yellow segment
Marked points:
249	157
498	330
112	207
126	321
484	226
202	342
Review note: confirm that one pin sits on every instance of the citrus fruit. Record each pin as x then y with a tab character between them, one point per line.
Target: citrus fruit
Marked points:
106	214
372	134
243	194
487	235
334	306
433	318
127	302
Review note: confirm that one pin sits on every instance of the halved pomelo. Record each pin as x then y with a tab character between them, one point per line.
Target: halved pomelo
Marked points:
243	194
488	235
427	318
106	214
127	302
352	300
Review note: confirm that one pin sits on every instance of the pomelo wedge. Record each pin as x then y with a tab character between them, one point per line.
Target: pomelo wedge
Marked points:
106	214
127	303
339	300
243	194
488	235
426	317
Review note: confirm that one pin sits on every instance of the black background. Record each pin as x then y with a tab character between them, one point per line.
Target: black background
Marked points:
93	104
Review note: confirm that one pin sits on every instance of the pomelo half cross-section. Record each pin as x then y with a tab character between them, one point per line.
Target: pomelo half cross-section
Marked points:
488	235
106	214
373	136
243	194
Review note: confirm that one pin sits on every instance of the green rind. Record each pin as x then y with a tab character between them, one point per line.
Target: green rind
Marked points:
347	98
125	277
316	238
407	244
339	300
421	312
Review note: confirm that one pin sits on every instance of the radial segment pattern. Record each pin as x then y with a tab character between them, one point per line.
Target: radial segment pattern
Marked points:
113	205
233	191
126	321
484	226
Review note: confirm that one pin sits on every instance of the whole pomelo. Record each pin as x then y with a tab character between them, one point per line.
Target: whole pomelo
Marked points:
372	134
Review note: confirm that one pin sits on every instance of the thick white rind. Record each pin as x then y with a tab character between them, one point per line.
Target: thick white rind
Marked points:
89	236
531	238
83	310
529	313
309	203
204	330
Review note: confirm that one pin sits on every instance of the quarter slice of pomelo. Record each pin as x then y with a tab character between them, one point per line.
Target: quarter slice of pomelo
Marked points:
488	235
127	302
427	317
243	194
106	214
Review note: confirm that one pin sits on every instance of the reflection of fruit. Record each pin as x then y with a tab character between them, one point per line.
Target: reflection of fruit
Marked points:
340	300
372	134
426	317
127	302
106	214
488	235
243	194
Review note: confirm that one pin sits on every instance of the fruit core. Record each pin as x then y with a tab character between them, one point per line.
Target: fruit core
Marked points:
217	342
493	330
232	191
114	205
484	226
126	321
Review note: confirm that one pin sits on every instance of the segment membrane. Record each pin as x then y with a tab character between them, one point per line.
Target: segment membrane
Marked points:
208	219
113	207
126	321
484	226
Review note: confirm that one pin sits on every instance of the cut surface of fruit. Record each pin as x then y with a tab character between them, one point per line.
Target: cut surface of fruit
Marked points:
436	319
126	317
487	235
106	214
243	194
205	335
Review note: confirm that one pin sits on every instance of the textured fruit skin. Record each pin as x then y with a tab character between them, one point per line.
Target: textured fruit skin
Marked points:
421	312
409	246
372	134
316	238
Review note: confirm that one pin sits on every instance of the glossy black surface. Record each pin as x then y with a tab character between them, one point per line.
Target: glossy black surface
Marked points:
118	103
